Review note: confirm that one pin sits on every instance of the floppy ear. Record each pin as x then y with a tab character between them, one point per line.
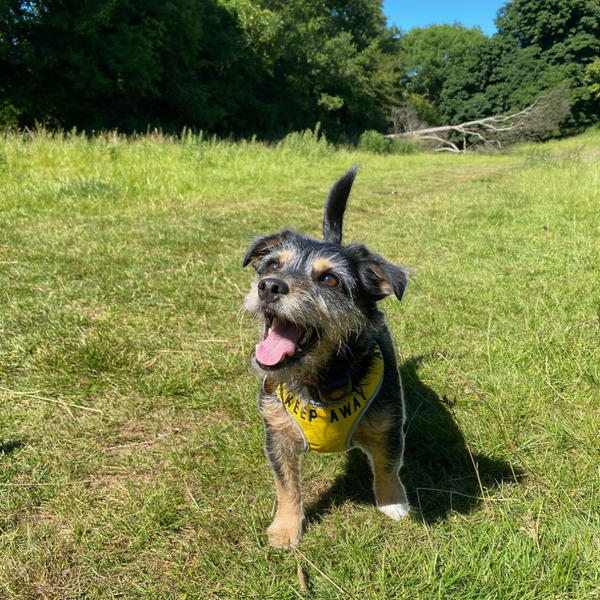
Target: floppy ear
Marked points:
262	244
379	276
335	206
391	278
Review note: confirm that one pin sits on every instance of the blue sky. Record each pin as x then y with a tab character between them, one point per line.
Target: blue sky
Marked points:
407	14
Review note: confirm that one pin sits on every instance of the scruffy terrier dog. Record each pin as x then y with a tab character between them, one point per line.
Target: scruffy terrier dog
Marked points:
330	376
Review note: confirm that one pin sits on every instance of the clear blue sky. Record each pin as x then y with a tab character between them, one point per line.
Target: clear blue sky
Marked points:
407	14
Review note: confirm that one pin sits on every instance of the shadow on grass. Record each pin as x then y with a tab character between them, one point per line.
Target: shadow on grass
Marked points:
438	471
9	447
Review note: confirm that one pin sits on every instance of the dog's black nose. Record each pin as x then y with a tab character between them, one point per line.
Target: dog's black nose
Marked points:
270	289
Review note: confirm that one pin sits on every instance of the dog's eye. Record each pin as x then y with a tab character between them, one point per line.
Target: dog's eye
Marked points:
329	280
273	267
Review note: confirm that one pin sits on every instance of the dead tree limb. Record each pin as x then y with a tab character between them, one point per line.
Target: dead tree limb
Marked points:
488	131
446	145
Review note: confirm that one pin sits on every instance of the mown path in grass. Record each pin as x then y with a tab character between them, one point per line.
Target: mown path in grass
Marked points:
131	461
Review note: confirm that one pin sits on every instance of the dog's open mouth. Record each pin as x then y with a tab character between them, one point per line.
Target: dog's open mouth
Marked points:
283	341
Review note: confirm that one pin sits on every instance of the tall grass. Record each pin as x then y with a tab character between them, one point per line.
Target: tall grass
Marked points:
131	462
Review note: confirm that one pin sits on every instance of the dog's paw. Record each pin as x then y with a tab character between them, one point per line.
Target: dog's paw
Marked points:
284	537
395	511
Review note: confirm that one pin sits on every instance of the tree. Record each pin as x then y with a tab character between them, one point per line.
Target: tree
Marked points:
592	78
126	63
445	64
542	44
227	66
334	62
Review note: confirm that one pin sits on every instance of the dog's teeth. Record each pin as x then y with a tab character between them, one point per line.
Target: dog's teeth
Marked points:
274	323
302	341
309	333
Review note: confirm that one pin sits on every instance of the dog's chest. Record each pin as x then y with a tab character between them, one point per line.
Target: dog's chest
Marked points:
327	428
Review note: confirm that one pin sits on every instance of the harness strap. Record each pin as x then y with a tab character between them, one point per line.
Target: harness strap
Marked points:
329	428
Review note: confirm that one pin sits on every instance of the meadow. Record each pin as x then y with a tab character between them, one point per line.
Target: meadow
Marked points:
131	461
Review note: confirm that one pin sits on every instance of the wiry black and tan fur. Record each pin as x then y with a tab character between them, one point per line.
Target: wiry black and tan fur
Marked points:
331	290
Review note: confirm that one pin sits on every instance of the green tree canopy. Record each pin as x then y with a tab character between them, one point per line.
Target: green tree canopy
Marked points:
333	62
127	63
542	44
446	65
227	66
268	67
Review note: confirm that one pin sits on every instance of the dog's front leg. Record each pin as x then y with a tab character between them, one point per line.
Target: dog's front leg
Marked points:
283	447
389	490
382	440
286	529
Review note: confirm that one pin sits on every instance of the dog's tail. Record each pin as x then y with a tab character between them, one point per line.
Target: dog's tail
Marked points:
335	206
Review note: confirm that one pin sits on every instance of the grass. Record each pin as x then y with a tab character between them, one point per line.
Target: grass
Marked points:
131	460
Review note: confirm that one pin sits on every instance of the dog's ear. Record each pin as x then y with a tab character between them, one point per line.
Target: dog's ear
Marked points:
391	278
263	244
379	276
335	206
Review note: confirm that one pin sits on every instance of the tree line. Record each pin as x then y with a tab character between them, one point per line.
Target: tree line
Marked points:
268	67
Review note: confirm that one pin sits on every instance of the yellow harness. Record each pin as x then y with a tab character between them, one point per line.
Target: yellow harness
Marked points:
328	428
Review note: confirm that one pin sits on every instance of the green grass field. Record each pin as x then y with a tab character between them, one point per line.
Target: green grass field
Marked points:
131	461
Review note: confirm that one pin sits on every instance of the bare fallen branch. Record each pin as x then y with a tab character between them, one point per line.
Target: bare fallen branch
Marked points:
449	148
542	115
486	123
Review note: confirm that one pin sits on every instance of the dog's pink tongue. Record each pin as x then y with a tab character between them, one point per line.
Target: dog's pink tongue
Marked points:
281	341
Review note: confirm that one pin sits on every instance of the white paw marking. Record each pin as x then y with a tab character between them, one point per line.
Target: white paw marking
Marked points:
395	511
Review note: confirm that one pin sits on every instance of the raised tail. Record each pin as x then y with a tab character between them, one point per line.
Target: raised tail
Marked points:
335	206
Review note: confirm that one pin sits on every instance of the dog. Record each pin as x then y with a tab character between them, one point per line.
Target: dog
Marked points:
330	379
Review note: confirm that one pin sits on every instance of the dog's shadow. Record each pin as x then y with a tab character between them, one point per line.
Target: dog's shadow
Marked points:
439	474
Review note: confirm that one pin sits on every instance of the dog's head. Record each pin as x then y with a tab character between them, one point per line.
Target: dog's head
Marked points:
316	297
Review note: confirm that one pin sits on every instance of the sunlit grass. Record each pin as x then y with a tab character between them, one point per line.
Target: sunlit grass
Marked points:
131	462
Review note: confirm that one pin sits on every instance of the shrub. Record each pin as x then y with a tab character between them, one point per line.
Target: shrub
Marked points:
403	146
308	143
373	142
9	116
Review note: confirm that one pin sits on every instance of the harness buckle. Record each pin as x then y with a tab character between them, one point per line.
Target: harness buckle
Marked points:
335	390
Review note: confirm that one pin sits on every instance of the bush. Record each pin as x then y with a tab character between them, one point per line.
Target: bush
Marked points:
403	146
306	143
9	116
373	142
